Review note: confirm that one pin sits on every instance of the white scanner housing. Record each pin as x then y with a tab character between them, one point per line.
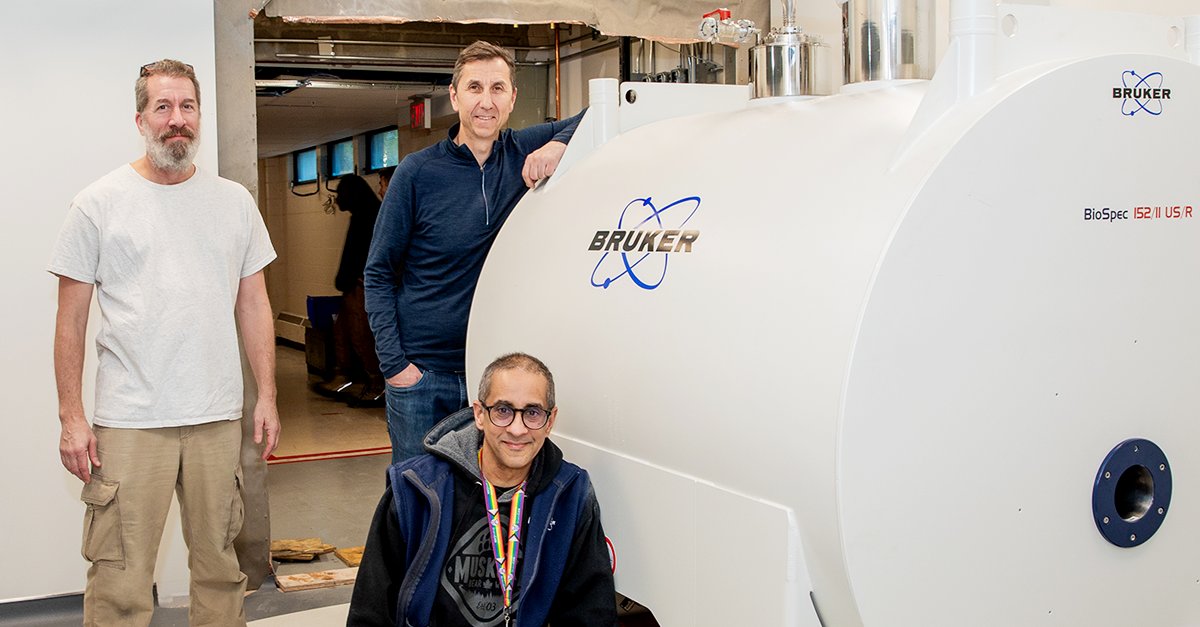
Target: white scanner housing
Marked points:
872	361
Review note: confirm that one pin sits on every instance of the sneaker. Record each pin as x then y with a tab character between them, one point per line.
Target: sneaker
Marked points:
350	393
334	387
372	396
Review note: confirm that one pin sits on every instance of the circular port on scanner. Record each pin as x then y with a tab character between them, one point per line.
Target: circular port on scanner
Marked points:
1132	492
1135	493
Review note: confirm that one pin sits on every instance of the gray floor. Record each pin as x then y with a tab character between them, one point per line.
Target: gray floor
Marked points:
263	603
332	499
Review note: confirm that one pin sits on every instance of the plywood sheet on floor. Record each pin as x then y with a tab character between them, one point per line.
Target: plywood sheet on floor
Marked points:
316	579
352	555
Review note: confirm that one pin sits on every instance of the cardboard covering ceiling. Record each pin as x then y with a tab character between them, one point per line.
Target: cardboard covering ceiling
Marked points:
673	21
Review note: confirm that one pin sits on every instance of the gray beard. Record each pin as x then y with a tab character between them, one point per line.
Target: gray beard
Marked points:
174	157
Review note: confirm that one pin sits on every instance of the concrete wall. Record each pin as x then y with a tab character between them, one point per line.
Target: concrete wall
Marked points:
578	71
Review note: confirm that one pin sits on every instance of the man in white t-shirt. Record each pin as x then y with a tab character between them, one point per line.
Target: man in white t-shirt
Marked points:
176	257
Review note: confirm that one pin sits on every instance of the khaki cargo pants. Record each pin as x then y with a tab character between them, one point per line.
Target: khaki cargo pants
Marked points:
127	504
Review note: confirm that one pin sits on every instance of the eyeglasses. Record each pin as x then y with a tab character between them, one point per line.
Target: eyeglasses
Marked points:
148	69
502	415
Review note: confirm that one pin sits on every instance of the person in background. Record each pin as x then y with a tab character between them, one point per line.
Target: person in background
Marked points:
489	471
353	342
442	212
176	256
385	179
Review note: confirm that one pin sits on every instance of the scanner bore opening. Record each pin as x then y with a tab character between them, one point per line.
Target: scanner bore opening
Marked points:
1134	493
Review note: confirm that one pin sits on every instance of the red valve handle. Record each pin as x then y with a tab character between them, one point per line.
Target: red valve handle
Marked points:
721	14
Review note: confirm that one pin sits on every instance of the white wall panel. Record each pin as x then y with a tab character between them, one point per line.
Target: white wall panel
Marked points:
67	119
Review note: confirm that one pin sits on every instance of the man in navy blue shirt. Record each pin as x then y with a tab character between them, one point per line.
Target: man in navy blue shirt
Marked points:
443	208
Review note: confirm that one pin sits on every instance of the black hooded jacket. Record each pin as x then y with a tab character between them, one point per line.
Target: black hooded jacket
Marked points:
467	590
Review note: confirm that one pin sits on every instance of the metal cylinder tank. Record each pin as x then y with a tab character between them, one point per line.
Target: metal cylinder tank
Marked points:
888	39
866	359
788	64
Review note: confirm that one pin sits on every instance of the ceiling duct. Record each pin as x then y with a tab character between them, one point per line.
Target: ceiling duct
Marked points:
672	21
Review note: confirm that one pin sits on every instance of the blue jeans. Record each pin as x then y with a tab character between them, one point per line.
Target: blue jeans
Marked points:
414	410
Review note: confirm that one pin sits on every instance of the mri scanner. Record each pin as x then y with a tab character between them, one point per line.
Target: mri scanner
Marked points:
921	352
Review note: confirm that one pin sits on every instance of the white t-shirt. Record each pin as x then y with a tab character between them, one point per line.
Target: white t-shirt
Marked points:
166	261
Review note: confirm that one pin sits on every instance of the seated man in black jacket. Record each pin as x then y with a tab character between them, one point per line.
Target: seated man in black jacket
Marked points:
442	543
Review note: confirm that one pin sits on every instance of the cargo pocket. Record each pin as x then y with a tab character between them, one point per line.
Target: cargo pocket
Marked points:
237	511
103	543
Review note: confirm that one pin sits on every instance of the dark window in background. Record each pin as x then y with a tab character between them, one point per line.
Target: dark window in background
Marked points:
304	166
341	158
383	149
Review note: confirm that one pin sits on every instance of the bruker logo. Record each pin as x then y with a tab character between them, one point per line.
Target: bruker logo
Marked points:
1141	94
642	244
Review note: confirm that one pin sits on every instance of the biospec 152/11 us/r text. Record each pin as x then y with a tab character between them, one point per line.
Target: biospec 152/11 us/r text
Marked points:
1153	212
1162	212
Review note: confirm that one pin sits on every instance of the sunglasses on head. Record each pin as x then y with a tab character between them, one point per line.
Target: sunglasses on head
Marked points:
148	69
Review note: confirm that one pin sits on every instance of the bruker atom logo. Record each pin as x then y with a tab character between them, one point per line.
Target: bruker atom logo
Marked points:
643	242
1141	94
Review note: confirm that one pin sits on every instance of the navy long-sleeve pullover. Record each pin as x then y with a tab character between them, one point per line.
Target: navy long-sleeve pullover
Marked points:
437	223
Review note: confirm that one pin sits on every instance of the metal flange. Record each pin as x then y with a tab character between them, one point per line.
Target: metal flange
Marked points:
1132	493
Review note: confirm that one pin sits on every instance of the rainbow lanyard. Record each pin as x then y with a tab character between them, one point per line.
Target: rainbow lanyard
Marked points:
506	561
